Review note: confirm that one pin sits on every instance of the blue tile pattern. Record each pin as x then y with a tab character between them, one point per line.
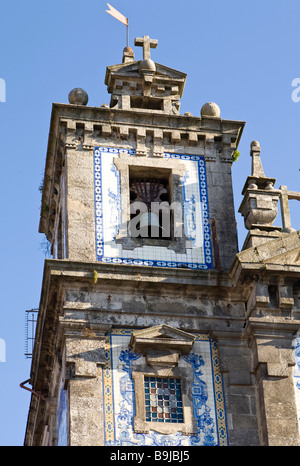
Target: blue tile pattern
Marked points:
202	412
62	419
108	215
297	377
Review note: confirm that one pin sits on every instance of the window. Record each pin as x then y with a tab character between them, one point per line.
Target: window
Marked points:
163	399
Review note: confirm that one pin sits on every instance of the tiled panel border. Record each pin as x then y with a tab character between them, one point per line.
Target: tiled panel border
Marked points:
99	214
296	375
120	407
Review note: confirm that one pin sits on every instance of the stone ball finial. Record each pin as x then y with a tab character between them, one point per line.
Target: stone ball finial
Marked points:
78	96
210	109
255	144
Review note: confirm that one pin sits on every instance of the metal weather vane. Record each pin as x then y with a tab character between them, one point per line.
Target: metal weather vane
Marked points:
116	14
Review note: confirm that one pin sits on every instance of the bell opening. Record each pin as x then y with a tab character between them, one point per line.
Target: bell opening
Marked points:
150	187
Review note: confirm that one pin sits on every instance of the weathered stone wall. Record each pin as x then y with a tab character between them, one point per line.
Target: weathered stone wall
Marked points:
198	303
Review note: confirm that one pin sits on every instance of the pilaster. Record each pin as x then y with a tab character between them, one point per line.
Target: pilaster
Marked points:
84	361
273	361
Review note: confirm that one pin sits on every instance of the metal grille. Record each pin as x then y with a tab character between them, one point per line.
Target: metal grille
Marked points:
31	316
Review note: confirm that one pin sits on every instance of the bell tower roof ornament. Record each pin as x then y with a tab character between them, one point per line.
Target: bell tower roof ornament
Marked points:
147	44
144	85
257	168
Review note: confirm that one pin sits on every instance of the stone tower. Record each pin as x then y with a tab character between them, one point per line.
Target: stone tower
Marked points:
153	329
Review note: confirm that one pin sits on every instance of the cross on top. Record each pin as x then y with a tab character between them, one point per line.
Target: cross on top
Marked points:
146	43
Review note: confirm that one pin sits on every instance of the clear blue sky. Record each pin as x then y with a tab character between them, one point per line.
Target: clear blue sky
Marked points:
243	55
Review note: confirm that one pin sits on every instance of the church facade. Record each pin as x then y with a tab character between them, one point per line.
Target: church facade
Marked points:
153	328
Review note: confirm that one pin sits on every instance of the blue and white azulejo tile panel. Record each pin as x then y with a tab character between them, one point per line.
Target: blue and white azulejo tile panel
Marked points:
62	416
119	395
296	374
198	253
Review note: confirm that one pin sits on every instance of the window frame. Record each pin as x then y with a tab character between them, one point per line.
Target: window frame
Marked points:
176	174
162	347
140	425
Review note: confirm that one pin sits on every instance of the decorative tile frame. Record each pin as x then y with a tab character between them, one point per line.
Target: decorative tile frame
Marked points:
119	395
62	418
296	374
108	215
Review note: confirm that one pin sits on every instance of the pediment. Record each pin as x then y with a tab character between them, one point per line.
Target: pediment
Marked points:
162	337
129	68
132	69
169	72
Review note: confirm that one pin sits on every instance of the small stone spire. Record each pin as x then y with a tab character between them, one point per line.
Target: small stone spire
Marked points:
257	168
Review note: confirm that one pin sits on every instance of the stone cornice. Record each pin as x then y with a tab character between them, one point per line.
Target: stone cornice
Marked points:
280	255
87	271
143	117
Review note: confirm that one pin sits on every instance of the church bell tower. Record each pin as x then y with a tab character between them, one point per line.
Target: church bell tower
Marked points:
139	338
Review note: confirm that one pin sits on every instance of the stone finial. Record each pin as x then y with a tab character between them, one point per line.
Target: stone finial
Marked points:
257	168
78	96
255	144
128	55
259	206
210	109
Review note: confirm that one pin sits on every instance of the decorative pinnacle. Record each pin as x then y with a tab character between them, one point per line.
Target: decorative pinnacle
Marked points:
257	168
